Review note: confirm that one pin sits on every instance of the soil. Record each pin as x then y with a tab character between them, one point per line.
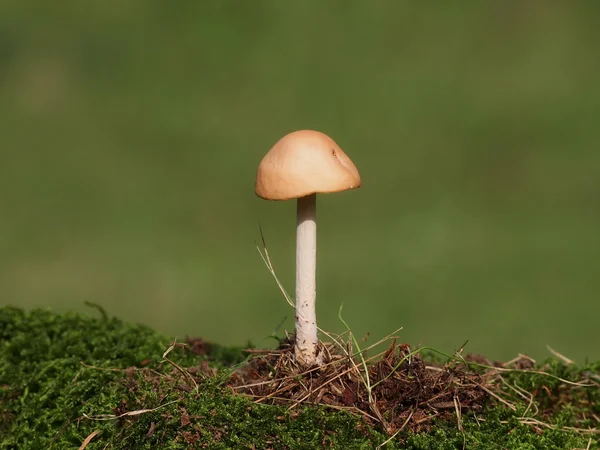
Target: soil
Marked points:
402	391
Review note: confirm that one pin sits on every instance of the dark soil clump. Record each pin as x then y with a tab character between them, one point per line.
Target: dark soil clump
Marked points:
398	391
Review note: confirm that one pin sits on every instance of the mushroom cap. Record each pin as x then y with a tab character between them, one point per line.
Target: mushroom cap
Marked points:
302	163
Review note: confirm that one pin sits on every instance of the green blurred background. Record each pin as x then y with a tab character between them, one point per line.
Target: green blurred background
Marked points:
130	133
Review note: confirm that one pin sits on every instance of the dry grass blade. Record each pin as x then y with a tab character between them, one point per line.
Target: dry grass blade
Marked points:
525	395
458	414
365	378
560	356
533	421
183	372
538	372
129	413
107	369
264	254
497	397
88	439
520	357
388	440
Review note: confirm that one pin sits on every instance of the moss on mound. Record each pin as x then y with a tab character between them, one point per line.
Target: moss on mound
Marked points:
65	377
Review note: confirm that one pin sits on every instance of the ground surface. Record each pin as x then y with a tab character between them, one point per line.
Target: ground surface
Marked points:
68	381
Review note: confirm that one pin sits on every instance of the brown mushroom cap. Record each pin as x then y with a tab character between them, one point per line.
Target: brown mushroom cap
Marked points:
302	163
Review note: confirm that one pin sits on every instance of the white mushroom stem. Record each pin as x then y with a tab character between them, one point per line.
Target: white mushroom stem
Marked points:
306	290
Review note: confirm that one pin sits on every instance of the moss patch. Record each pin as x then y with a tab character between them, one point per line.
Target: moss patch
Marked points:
61	374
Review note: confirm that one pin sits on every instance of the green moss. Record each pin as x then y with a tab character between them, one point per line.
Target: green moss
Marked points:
46	394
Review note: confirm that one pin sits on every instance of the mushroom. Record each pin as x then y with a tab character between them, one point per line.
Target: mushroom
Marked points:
299	166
